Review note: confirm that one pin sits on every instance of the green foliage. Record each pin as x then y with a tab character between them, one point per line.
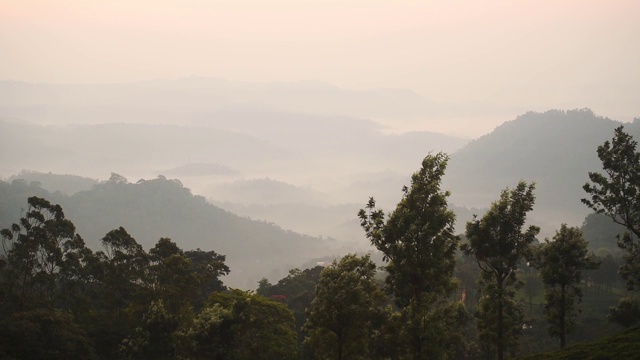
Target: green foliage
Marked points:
248	326
616	194
161	207
45	269
561	263
209	267
625	345
154	338
208	336
296	290
342	317
419	244
499	245
601	232
41	334
627	312
44	256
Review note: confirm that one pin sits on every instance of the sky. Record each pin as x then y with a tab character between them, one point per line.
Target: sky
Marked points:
533	55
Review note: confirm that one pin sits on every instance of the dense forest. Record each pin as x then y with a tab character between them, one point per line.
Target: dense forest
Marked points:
429	291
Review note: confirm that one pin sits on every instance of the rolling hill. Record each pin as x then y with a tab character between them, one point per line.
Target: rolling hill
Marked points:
151	209
556	149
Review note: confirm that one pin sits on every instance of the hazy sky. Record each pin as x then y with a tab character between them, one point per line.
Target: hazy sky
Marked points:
526	54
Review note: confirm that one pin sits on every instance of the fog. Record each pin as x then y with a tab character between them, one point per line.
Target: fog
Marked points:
489	60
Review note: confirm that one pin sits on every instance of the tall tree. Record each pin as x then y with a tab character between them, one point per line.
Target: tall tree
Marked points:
121	273
616	194
498	244
44	256
41	271
244	326
209	268
419	244
561	263
297	290
172	276
347	302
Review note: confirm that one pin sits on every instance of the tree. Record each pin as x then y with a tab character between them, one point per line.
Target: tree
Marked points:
616	194
419	244
601	233
498	244
44	256
532	286
155	338
208	336
121	273
348	300
172	276
41	271
297	290
247	326
209	267
43	334
561	263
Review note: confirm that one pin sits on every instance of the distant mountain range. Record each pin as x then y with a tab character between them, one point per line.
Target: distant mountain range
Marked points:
189	101
308	172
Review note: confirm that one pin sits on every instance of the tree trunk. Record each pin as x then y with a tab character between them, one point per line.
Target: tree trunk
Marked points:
340	346
562	316
500	345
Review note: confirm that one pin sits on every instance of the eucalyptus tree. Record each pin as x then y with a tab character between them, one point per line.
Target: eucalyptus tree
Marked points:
43	257
42	277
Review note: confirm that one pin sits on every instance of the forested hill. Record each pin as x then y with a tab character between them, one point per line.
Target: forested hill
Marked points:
556	149
157	208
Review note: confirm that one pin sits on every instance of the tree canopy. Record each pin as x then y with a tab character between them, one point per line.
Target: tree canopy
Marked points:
499	244
419	245
562	262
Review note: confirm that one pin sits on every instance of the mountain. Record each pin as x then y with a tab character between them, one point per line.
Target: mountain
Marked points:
556	149
201	169
151	209
163	99
264	191
67	183
134	149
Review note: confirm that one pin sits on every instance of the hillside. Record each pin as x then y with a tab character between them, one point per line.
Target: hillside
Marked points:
625	345
556	149
160	207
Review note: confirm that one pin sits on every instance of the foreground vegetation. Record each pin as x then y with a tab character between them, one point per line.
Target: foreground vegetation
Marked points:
625	345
